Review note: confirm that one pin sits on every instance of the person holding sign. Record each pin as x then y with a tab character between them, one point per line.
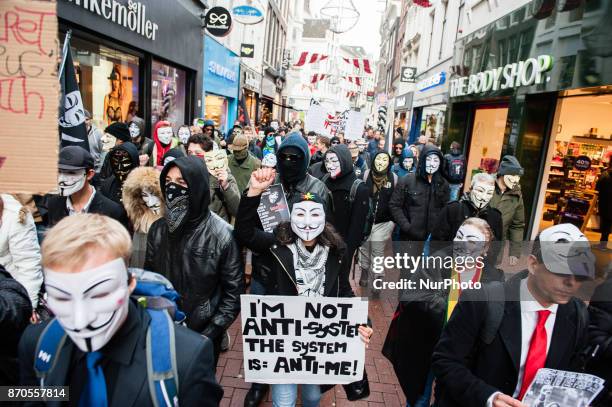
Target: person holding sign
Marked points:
307	256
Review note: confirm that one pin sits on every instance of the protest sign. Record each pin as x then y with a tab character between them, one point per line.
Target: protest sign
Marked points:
353	127
273	208
28	96
559	388
316	119
303	340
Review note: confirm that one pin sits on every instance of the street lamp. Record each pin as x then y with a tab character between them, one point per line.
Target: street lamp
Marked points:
343	15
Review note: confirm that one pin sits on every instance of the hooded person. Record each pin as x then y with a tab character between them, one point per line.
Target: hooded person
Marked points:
115	134
143	202
122	159
144	144
306	259
398	149
420	196
406	165
164	139
172	155
508	199
380	182
350	197
209	130
269	143
195	249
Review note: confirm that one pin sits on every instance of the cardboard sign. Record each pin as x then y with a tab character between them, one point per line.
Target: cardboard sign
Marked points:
302	340
273	208
29	95
353	128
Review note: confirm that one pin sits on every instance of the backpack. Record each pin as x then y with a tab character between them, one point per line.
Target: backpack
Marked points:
156	294
455	168
353	190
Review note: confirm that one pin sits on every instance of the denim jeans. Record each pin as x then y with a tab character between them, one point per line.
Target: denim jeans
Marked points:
424	399
454	191
285	395
257	288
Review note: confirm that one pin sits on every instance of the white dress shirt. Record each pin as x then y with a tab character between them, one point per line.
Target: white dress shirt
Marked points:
72	211
529	320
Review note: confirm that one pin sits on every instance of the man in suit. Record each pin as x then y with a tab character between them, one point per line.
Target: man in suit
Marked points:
541	325
104	355
76	194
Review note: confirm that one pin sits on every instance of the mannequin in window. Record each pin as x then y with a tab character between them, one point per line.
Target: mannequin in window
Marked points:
113	100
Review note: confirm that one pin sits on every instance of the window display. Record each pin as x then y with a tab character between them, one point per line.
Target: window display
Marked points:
432	122
216	110
108	80
168	88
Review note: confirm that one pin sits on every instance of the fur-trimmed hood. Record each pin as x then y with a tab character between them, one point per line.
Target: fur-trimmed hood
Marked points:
139	214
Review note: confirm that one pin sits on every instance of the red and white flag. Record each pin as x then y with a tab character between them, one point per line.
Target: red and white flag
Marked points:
317	77
359	64
310	58
354	79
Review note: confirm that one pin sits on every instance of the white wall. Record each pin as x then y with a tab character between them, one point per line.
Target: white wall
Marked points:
580	114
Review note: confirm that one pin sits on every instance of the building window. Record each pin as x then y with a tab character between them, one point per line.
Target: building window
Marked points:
108	81
168	91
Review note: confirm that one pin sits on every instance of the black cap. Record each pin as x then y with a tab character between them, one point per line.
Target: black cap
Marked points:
75	158
119	130
510	166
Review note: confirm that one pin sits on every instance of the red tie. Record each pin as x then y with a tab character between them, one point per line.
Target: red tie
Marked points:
536	357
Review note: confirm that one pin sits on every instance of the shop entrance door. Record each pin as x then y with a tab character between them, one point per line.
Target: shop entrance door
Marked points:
579	150
486	140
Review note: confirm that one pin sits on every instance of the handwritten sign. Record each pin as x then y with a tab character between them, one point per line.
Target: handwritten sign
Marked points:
316	120
28	96
353	128
302	340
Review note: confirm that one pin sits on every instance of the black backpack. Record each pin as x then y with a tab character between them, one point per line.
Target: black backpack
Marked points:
455	168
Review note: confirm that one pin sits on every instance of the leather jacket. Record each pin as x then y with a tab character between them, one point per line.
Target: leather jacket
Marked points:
205	266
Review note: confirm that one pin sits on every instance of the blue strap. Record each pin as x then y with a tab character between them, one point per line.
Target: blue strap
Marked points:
161	359
48	348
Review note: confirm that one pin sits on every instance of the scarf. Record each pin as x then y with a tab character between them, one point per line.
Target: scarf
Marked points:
379	181
309	268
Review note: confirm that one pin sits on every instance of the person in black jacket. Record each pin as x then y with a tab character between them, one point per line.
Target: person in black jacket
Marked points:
349	211
76	193
122	159
425	310
484	360
418	199
380	182
15	312
195	249
307	256
475	203
105	344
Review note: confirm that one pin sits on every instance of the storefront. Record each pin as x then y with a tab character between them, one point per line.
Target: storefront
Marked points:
403	104
251	88
266	103
429	106
127	61
221	84
522	88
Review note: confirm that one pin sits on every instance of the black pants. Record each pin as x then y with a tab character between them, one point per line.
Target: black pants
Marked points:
605	228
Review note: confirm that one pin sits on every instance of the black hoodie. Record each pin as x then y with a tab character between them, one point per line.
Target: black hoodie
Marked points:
380	200
347	217
111	187
416	202
201	258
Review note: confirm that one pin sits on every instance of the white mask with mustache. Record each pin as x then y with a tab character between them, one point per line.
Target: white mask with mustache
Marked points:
90	305
307	219
151	200
70	182
164	134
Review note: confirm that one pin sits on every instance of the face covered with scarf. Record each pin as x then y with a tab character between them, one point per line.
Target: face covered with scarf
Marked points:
90	305
177	199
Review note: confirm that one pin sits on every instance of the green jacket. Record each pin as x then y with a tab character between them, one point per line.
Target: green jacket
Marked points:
510	204
224	202
242	172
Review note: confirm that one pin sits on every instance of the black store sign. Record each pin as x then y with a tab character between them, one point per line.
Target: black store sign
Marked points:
218	21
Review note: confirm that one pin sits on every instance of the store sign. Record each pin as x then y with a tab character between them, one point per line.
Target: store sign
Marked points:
131	15
222	69
247	50
286	61
218	21
247	14
252	80
431	82
408	74
582	163
403	102
522	73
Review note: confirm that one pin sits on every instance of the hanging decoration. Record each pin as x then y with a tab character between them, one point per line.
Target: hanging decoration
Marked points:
359	63
353	79
342	15
422	3
310	58
318	77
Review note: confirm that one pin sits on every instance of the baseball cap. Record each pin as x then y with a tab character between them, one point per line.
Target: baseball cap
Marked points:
239	143
566	250
74	158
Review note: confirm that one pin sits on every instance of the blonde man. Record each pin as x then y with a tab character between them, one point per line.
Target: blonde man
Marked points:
104	355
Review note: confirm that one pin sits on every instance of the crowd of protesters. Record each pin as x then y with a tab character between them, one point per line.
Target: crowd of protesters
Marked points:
182	205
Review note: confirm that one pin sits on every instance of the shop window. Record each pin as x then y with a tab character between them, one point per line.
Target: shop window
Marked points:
487	140
168	88
108	80
216	110
432	123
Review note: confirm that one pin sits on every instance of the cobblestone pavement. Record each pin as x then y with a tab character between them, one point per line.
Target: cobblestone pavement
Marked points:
384	388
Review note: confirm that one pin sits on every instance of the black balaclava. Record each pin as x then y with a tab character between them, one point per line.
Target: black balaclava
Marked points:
185	214
293	170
